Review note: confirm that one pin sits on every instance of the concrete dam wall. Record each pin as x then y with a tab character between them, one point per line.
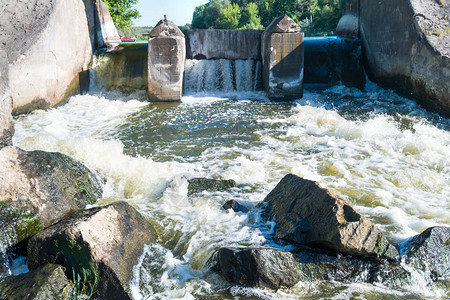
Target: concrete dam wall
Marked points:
406	46
328	60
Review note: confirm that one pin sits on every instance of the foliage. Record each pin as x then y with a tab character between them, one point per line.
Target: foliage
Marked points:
315	16
250	16
137	32
122	12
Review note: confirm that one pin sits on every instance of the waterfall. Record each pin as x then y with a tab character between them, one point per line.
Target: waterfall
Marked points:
222	75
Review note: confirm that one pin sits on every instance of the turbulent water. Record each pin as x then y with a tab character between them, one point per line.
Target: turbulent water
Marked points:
380	152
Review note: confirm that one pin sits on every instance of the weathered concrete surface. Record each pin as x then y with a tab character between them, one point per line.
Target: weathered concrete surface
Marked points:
6	121
48	45
406	46
103	243
106	33
308	214
282	55
47	282
102	31
166	58
222	43
47	185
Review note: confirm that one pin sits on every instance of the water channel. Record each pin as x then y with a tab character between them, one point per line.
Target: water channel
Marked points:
382	153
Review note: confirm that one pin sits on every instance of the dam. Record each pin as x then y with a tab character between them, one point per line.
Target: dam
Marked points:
381	154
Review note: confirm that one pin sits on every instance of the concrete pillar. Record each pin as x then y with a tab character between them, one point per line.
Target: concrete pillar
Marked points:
283	56
166	57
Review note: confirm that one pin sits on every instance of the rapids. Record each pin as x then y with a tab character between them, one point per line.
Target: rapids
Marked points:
382	153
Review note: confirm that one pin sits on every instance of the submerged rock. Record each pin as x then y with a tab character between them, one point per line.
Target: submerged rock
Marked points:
197	185
257	267
48	186
273	268
47	282
234	205
430	251
306	213
101	245
319	266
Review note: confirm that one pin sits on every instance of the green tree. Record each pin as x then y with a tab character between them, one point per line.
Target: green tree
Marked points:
326	14
122	12
229	17
250	16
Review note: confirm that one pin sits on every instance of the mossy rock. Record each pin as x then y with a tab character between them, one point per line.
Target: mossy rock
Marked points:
48	185
97	246
197	185
16	225
46	282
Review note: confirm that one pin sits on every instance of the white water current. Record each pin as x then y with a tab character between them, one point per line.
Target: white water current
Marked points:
382	153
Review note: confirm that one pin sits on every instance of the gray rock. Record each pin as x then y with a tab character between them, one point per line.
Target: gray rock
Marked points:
273	268
430	251
16	226
100	244
257	267
319	266
197	185
236	206
47	282
48	186
6	121
306	213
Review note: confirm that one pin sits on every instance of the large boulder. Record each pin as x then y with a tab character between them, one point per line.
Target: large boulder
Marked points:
314	265
274	268
6	121
306	213
430	251
47	282
39	188
409	51
101	245
257	267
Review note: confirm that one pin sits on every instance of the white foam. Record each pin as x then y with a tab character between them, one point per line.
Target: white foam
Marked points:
393	167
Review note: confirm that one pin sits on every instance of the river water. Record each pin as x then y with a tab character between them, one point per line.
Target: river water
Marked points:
382	153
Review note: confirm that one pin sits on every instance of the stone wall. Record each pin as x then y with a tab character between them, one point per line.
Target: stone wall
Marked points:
49	44
406	47
221	43
6	122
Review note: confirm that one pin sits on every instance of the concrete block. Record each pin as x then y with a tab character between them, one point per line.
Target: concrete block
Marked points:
283	59
166	58
223	44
